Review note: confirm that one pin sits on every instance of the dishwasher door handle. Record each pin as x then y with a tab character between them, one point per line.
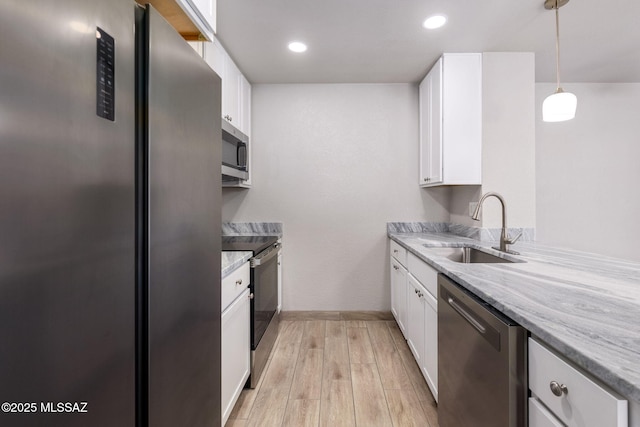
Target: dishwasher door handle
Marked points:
468	317
487	331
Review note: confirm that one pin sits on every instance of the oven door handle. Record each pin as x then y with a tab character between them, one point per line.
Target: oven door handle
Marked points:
261	259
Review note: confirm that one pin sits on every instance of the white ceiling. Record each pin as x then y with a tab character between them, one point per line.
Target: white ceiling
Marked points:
383	41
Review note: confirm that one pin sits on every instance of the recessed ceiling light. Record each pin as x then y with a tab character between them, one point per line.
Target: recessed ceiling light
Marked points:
435	21
297	47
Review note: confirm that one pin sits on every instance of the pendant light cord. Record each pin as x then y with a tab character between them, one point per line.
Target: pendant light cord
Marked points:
558	89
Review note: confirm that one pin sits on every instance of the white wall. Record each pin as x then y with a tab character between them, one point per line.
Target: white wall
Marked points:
335	163
588	171
508	144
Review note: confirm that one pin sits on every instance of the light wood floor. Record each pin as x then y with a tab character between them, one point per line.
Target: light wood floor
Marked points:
338	373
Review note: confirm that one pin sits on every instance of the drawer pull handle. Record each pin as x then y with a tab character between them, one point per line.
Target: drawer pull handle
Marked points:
558	389
239	282
395	267
395	251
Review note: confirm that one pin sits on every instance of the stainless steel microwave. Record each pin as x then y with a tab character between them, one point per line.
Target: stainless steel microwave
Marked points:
234	153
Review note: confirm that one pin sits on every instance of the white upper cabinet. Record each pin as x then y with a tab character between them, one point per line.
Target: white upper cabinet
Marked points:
431	126
231	93
451	121
245	105
236	89
215	55
203	15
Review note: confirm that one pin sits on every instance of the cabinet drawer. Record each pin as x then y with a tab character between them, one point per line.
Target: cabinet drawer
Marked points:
539	416
398	252
426	274
584	404
234	284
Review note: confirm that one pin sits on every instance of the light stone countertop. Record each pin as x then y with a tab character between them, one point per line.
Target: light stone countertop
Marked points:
586	306
232	260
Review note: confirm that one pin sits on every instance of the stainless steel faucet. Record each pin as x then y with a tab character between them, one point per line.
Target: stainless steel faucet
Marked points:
505	240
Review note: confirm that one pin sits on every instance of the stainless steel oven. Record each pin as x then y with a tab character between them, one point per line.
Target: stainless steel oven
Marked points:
264	305
264	296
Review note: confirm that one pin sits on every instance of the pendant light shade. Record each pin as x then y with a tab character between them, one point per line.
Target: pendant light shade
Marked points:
559	106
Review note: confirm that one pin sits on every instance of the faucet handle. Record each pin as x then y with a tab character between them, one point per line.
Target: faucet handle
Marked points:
512	240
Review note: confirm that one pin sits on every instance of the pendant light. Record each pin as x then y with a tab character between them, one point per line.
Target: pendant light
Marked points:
561	105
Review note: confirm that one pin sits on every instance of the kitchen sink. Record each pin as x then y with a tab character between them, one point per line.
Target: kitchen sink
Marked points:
468	255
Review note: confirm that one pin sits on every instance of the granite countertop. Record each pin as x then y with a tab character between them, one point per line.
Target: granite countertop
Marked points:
586	306
232	260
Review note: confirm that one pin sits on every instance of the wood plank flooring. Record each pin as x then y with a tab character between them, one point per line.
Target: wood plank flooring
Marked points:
332	369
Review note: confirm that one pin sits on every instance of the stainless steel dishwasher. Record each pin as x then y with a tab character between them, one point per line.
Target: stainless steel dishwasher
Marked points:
481	362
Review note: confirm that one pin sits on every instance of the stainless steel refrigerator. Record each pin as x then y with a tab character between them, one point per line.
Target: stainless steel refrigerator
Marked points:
109	219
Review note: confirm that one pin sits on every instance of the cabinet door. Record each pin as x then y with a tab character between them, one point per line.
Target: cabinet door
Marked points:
430	359
415	318
539	415
214	55
235	352
207	10
399	294
431	126
231	92
203	15
425	118
245	106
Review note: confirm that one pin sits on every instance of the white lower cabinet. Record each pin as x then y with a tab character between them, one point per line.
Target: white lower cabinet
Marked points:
569	396
415	319
414	305
422	327
539	416
427	277
399	294
236	351
430	360
234	284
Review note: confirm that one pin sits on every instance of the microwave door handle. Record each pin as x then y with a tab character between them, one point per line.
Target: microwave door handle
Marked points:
242	154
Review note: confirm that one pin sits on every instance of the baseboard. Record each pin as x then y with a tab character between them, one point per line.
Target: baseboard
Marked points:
336	315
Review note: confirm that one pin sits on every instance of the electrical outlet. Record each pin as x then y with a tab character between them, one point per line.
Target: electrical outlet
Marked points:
472	207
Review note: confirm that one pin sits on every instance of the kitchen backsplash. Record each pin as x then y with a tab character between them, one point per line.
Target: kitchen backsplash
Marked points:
482	234
252	229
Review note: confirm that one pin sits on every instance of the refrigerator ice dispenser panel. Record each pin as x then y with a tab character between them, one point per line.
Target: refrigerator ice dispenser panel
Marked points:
105	78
